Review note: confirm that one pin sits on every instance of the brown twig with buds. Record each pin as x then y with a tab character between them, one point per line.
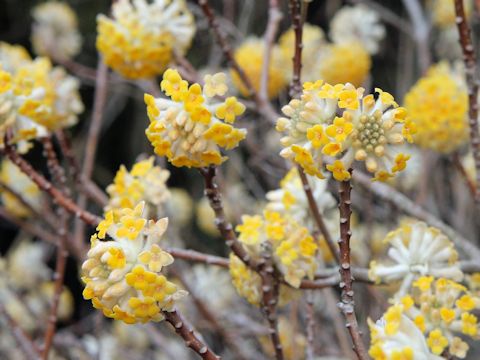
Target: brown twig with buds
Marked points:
470	61
188	335
297	24
347	304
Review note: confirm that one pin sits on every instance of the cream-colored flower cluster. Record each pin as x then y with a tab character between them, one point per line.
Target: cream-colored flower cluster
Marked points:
416	250
123	274
192	125
141	39
35	97
15	179
26	288
55	30
357	24
292	246
438	104
335	125
145	182
395	336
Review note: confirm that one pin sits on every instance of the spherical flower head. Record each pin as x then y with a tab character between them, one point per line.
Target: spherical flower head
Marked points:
368	130
395	336
140	40
416	250
313	41
35	99
442	309
249	57
123	273
191	127
357	23
144	182
438	104
15	179
13	56
294	249
55	30
248	284
290	199
342	63
443	11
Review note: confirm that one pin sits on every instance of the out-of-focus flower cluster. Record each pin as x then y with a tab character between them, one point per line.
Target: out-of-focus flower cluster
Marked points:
191	127
368	130
123	274
141	39
355	32
35	97
438	105
55	30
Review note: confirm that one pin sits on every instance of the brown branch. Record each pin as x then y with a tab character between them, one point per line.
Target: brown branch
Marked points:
264	107
270	291
100	98
59	197
317	216
472	85
297	24
24	341
211	317
192	255
403	203
274	18
58	175
188	335
347	303
223	225
310	318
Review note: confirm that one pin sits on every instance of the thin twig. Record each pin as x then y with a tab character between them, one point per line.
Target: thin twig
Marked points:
317	216
59	197
274	18
188	335
211	317
58	176
347	304
100	98
470	61
403	203
463	172
223	225
264	107
24	341
192	255
270	290
310	318
296	14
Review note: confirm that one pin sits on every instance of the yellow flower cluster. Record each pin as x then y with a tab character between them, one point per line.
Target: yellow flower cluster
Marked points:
293	247
396	337
55	30
438	104
35	98
342	63
369	129
191	127
123	275
145	182
14	178
249	57
440	309
416	250
140	40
